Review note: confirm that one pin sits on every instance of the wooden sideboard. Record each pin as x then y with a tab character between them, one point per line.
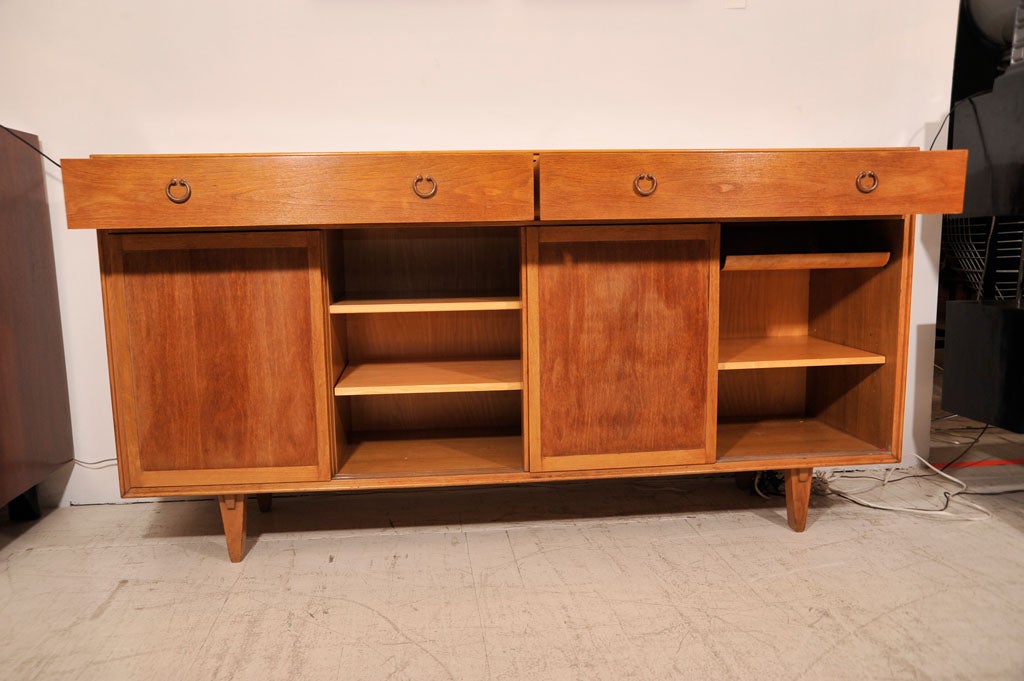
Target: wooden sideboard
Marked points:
285	323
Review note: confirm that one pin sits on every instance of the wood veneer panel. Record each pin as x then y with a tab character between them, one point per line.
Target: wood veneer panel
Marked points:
419	262
219	356
430	335
622	348
436	411
35	420
720	185
762	393
763	304
110	192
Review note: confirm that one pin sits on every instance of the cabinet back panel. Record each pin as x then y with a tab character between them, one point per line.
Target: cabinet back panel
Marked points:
239	389
805	236
417	262
492	334
444	411
760	304
762	393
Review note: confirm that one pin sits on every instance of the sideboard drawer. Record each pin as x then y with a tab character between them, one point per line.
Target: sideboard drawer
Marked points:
717	185
110	192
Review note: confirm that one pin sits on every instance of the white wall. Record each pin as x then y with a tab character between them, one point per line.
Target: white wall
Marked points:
110	76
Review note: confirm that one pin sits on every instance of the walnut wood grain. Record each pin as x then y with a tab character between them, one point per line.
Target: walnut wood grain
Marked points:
297	189
763	304
720	185
232	513
426	262
798	496
218	356
35	420
431	335
762	393
601	302
435	411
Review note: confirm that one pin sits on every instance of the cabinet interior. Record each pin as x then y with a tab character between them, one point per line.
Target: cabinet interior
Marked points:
809	346
427	335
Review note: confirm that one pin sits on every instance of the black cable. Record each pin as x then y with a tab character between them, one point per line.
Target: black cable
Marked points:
992	494
927	475
967	449
34	147
941	126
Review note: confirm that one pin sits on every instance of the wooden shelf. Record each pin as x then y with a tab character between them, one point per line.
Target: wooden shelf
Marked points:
804	261
419	455
394	378
426	305
788	351
755	440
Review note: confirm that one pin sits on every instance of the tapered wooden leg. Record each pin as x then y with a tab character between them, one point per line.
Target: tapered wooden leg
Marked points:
798	496
264	502
232	512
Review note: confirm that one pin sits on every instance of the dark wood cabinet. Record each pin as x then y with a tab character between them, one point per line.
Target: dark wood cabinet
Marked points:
35	421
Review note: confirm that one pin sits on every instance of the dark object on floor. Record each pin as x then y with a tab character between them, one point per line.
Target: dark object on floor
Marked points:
24	507
983	377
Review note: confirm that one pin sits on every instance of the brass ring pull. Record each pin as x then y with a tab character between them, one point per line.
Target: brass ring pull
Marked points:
426	194
642	177
867	175
184	197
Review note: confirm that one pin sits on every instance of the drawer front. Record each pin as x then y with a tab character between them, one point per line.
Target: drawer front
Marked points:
280	190
717	185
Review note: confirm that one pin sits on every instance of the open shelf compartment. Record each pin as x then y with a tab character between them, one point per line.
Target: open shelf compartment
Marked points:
785	438
812	325
427	343
423	454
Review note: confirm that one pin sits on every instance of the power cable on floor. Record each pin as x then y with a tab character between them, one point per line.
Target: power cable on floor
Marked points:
823	484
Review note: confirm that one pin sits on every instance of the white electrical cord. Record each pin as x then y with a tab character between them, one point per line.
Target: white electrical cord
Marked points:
825	487
95	465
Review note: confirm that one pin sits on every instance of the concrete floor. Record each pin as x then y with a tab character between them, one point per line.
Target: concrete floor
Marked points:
673	578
